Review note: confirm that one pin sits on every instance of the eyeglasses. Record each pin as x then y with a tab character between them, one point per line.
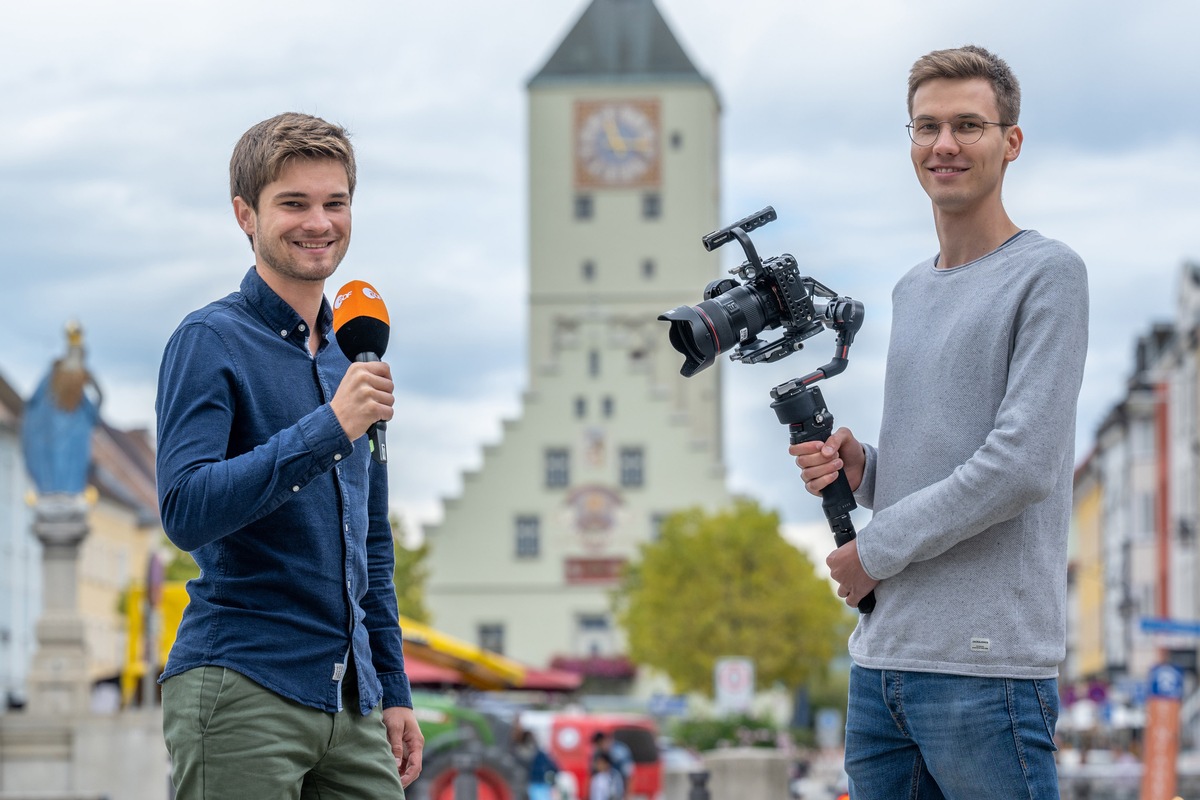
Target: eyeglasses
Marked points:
967	129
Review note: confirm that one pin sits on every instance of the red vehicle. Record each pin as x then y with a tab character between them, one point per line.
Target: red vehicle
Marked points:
571	746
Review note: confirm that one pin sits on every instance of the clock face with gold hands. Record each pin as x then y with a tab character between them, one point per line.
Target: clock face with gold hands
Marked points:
617	143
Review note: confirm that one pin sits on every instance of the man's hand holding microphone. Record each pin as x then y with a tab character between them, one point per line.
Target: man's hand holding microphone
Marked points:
363	401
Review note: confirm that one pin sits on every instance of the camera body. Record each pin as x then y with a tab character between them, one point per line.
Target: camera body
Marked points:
763	295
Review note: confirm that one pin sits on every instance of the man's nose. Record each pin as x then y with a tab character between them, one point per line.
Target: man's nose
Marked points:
945	137
317	219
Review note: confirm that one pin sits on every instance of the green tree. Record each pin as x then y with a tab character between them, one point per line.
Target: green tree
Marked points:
729	584
412	571
180	565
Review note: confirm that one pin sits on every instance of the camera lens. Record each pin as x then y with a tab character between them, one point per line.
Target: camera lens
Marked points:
704	331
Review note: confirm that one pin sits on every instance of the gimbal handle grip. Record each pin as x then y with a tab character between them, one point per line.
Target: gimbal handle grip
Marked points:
834	498
802	408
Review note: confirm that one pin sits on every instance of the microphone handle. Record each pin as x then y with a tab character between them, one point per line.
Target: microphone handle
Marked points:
377	433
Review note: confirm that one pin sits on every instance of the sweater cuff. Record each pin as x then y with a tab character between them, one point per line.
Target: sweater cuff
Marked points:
865	494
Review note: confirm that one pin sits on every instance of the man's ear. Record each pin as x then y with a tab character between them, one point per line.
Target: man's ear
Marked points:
1013	142
246	217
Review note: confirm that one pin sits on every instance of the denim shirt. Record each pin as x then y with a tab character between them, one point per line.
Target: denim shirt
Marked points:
286	517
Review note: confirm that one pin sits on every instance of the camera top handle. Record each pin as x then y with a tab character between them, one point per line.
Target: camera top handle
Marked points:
738	230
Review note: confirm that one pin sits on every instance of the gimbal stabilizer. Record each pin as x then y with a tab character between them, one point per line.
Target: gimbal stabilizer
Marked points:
774	294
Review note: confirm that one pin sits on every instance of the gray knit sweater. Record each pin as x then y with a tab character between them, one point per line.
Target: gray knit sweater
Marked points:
971	482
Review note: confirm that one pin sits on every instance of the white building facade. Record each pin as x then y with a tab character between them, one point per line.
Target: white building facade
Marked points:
623	182
20	558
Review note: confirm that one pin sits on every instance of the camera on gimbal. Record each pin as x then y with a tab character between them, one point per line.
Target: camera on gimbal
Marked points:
773	294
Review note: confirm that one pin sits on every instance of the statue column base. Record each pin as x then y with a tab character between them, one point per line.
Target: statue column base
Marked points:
58	677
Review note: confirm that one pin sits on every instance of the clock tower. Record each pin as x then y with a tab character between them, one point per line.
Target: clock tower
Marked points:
623	182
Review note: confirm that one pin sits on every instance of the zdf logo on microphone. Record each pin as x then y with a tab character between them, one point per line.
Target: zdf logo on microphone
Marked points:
367	291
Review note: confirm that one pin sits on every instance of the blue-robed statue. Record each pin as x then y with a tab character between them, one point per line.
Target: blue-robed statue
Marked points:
56	429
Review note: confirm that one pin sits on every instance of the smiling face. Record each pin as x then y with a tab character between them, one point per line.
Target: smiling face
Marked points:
301	226
963	178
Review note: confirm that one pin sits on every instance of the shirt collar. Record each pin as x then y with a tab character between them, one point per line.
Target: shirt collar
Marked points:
281	317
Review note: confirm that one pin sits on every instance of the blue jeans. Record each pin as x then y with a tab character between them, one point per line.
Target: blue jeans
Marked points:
929	736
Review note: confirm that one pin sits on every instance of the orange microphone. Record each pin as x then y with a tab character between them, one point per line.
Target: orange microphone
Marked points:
361	325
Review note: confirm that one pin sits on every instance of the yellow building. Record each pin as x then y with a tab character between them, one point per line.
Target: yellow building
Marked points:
124	529
1086	659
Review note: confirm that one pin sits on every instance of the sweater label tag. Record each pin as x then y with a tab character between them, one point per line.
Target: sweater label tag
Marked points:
980	645
338	671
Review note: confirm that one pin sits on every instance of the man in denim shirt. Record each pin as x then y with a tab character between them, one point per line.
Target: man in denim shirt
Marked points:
287	678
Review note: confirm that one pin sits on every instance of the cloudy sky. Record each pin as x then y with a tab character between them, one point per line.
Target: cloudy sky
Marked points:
120	117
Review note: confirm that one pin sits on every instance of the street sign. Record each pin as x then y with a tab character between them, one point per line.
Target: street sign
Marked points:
831	731
1173	627
1159	775
667	705
734	681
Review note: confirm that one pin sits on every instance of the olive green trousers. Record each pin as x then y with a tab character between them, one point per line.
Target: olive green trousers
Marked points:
230	738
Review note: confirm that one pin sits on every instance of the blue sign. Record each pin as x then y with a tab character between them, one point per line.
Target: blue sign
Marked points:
1166	681
1175	627
667	705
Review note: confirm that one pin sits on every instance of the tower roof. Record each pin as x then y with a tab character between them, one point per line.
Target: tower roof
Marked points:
619	41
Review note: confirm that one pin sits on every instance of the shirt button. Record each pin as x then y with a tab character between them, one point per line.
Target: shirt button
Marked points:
295	488
337	456
302	328
283	334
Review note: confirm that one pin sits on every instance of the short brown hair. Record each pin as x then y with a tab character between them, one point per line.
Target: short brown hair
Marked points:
966	62
265	150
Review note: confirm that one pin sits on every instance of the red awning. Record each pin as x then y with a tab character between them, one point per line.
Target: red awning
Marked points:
551	680
422	673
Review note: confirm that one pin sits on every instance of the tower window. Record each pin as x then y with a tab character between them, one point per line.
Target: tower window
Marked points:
593	634
608	406
580	407
528	536
583	206
656	526
589	270
676	140
651	205
632	467
558	468
594	363
648	268
491	637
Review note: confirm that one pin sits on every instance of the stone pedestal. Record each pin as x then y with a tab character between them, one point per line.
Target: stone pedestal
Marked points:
119	757
57	749
58	679
748	772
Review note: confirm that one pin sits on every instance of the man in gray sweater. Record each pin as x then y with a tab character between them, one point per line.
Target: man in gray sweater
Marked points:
953	690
